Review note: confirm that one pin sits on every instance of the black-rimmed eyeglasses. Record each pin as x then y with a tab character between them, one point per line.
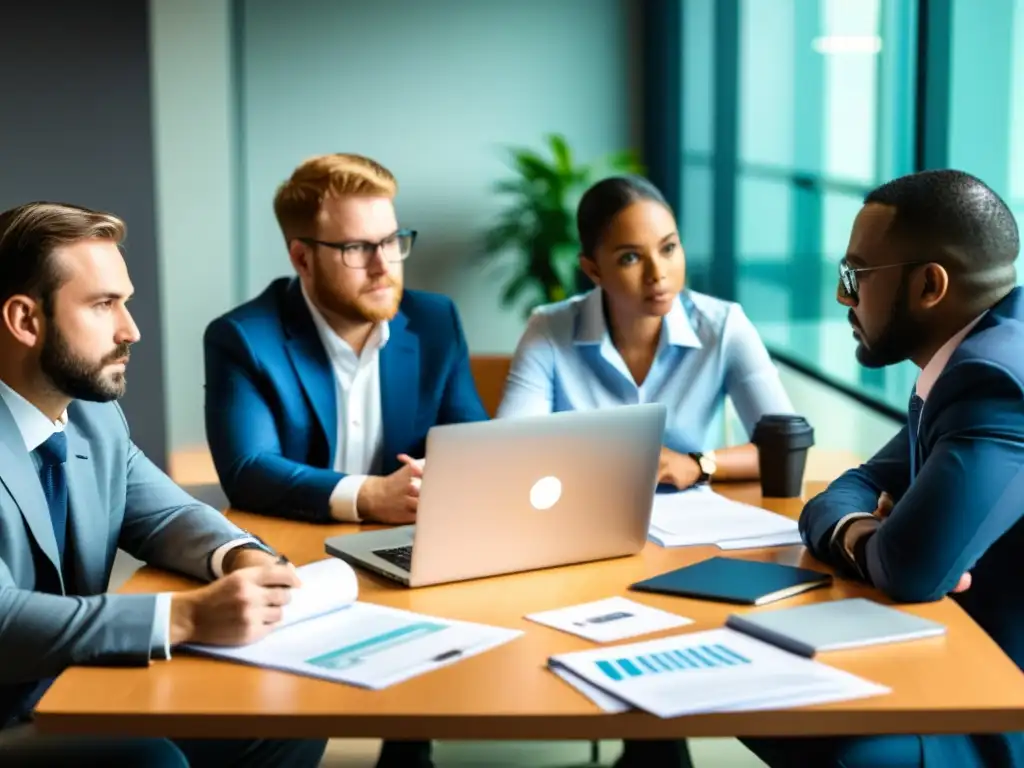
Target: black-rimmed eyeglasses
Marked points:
357	254
848	284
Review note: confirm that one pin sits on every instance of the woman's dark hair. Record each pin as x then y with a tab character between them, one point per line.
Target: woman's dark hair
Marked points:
605	200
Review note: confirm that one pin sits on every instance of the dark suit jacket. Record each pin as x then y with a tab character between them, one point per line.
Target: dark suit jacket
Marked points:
963	510
271	410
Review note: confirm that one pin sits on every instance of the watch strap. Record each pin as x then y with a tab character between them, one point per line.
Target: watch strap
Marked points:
698	457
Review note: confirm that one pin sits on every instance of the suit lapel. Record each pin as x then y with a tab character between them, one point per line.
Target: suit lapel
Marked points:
87	516
399	387
311	365
19	476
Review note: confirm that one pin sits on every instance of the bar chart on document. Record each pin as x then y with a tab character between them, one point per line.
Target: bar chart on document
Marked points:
673	660
714	670
388	636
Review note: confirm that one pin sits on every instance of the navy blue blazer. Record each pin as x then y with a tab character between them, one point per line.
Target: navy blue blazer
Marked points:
271	410
963	509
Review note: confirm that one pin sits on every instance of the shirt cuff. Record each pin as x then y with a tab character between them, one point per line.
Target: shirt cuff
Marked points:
838	547
161	641
344	498
217	558
840	527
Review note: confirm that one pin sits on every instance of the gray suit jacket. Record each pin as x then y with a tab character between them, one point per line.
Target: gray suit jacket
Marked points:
116	498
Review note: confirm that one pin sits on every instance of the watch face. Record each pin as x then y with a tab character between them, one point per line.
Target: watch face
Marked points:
707	465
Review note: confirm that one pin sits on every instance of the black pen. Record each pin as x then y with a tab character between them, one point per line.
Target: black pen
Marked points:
447	655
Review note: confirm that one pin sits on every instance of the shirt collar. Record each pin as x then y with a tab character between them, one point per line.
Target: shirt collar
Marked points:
332	342
593	329
33	424
931	372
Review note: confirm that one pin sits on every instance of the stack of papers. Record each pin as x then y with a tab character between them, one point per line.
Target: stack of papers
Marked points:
718	670
699	516
325	633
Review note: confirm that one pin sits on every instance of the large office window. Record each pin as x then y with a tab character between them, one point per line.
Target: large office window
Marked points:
986	120
793	110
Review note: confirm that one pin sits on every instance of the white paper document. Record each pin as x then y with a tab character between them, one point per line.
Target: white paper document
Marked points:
700	516
614	618
367	645
605	701
717	670
325	633
327	585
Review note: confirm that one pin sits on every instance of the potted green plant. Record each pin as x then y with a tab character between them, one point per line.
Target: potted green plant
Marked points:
539	222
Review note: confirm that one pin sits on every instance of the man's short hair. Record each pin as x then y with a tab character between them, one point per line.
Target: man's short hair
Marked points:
960	221
298	201
29	235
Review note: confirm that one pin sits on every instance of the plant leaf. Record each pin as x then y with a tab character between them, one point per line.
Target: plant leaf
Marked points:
533	167
563	155
625	161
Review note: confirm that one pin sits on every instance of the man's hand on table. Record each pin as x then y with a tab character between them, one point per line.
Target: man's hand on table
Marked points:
866	526
392	499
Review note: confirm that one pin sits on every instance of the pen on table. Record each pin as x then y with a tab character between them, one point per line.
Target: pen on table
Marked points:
447	655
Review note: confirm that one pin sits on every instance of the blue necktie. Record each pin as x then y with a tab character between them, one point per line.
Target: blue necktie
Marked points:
913	422
52	454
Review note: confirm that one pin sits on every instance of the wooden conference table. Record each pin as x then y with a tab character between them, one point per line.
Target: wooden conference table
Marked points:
959	683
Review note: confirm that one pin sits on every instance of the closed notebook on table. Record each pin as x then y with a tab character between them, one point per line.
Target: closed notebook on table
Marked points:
731	580
835	625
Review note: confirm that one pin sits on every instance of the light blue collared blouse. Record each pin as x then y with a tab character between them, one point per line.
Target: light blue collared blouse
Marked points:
566	361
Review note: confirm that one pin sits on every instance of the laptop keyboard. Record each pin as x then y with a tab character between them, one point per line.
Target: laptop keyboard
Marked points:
400	556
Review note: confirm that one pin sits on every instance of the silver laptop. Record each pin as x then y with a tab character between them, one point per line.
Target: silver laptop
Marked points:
520	494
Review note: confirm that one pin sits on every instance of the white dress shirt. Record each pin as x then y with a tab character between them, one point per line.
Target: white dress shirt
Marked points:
35	430
360	437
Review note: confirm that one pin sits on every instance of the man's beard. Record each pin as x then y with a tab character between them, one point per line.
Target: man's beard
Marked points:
898	340
361	309
76	377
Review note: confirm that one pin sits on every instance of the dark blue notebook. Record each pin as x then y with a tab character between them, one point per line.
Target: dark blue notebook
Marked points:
732	580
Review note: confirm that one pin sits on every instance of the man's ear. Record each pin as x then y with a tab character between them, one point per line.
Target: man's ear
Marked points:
589	267
23	318
934	285
300	254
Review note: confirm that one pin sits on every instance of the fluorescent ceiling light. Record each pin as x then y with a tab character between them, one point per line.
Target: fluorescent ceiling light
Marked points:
870	44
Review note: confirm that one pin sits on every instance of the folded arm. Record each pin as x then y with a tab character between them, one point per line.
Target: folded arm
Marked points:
855	494
965	496
243	437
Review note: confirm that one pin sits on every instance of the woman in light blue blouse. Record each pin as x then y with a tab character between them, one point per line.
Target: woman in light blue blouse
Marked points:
640	337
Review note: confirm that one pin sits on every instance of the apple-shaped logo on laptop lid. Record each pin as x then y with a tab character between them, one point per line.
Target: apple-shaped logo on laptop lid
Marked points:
546	492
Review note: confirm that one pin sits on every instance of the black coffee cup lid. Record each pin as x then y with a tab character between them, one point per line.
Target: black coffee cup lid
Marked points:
790	428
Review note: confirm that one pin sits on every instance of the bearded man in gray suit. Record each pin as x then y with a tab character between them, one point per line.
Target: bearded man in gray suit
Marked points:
74	488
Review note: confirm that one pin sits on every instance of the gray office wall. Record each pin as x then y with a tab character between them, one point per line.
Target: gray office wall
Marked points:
75	126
